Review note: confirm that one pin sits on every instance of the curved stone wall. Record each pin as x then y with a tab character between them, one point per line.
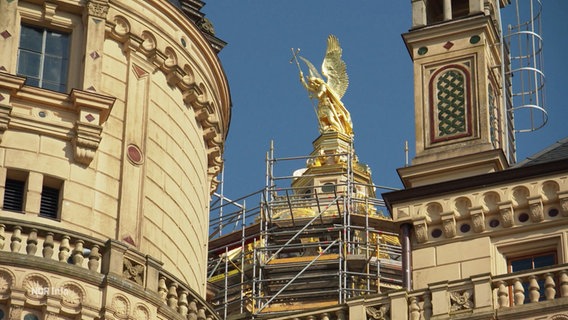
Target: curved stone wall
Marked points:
135	144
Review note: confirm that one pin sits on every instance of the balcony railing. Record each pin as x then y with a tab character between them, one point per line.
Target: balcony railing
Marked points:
515	295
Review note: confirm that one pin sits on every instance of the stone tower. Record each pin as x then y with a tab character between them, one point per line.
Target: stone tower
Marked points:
113	120
461	106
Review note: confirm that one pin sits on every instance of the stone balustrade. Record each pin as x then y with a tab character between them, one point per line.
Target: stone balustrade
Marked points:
531	286
104	263
483	296
183	299
51	243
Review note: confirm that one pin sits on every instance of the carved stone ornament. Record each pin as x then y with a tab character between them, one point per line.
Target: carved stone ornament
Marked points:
51	316
141	313
478	219
120	306
380	313
15	312
72	295
421	230
461	300
98	9
36	286
5	116
449	224
133	271
564	206
6	281
536	209
506	212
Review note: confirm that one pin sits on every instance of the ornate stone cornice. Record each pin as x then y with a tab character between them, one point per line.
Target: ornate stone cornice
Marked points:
496	209
198	92
97	8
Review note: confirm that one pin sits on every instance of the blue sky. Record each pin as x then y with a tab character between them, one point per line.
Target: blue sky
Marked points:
269	103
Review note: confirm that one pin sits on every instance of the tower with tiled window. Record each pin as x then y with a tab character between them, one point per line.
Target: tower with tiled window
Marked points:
463	123
113	117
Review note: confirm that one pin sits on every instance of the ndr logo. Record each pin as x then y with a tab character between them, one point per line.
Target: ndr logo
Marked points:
40	291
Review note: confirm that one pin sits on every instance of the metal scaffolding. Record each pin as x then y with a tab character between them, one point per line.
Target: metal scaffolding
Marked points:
303	246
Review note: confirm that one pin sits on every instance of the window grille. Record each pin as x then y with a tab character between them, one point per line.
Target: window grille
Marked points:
14	195
49	202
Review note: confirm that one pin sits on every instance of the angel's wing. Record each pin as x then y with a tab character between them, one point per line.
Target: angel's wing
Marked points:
334	68
313	71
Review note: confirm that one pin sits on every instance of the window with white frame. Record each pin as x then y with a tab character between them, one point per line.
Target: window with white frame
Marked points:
43	57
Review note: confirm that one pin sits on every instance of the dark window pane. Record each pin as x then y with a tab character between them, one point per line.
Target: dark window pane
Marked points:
543	261
29	63
57	44
518	265
31	38
54	69
34	82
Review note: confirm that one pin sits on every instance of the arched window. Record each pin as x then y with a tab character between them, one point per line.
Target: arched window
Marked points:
450	115
328	187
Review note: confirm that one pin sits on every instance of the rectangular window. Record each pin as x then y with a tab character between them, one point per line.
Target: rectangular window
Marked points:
14	195
534	261
43	58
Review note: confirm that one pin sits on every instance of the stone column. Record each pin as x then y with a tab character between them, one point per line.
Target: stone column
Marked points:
94	20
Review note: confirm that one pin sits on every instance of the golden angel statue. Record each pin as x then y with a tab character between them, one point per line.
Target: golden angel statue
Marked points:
332	114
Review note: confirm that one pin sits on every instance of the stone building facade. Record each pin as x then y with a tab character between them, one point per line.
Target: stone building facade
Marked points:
113	119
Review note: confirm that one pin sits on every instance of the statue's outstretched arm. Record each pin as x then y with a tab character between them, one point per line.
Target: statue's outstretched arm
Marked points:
303	81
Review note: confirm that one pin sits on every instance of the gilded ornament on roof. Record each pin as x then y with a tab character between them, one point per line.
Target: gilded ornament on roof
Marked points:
332	114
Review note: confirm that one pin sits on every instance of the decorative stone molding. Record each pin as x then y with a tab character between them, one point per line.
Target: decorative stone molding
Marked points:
7	279
120	306
563	199
536	209
48	11
98	9
141	312
9	84
15	312
35	286
93	110
461	300
5	111
506	213
421	230
449	223
133	271
381	312
72	296
477	218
